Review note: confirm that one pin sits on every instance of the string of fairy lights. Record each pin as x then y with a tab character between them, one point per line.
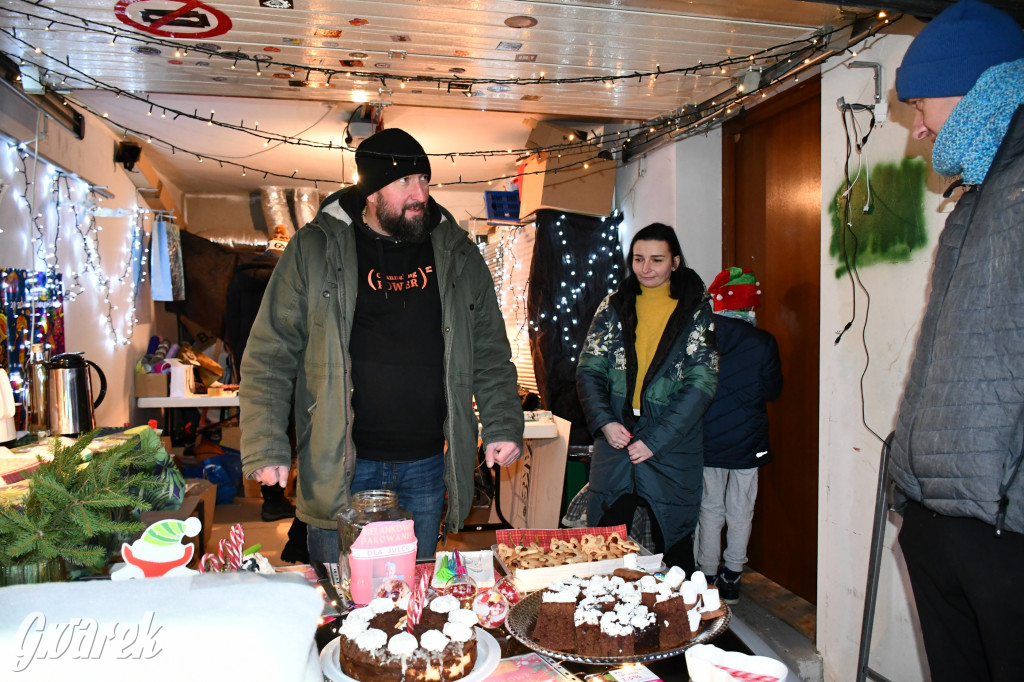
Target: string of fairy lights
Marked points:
774	64
503	259
58	17
62	194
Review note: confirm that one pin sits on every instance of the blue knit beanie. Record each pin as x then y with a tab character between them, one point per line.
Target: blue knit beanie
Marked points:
952	51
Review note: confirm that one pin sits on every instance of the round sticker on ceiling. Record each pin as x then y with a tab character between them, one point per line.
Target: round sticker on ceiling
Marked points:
145	49
209	47
173	18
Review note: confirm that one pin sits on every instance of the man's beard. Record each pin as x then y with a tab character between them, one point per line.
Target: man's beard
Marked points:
398	226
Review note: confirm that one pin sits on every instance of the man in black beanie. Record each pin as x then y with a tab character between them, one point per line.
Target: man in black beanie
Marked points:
957	448
382	314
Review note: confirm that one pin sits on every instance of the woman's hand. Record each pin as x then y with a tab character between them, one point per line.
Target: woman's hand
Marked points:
638	452
617	435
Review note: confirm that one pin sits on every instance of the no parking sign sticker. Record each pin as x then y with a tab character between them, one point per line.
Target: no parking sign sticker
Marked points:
173	18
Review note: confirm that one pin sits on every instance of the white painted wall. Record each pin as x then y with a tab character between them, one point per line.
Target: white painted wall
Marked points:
92	159
849	453
679	185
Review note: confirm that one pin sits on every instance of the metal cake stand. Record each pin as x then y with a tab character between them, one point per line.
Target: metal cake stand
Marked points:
523	617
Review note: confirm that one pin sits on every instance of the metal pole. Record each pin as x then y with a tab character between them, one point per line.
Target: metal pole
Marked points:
874	563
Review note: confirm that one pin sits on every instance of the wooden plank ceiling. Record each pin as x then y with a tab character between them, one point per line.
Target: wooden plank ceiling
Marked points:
604	61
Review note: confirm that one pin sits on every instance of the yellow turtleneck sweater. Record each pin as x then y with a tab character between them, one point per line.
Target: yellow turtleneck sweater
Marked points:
653	308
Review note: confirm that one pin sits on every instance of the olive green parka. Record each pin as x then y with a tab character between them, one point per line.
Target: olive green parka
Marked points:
299	343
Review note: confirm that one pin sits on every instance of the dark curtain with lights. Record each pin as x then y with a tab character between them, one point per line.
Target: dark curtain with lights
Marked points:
577	261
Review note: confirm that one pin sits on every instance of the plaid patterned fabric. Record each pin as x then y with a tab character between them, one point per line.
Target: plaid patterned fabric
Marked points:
542	536
576	517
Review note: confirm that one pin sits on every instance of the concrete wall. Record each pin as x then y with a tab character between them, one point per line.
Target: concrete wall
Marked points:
92	159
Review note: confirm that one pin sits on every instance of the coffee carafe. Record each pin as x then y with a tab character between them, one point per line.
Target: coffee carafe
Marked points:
69	393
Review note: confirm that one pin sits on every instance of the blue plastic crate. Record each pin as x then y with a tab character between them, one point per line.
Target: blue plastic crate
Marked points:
502	205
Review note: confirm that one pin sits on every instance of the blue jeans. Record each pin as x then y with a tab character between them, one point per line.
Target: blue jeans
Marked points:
420	488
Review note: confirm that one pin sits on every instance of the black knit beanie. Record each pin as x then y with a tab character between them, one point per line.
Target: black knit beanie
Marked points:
387	156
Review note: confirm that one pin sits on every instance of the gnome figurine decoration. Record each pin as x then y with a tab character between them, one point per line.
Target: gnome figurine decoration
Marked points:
159	552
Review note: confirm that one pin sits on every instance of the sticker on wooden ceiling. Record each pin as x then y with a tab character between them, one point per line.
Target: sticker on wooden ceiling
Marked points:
146	50
327	33
460	53
282	75
208	47
509	46
271	49
202	63
277	4
173	18
352	63
401	39
291	41
359	22
526	57
175	62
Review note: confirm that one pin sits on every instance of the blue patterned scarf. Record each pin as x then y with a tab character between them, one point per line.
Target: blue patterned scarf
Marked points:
968	141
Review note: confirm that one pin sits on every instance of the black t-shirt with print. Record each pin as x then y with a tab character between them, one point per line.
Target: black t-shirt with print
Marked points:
397	351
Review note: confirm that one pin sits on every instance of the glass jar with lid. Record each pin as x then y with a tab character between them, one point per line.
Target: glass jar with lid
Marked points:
376	546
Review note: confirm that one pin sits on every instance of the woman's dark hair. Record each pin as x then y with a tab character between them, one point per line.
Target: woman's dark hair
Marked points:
657	232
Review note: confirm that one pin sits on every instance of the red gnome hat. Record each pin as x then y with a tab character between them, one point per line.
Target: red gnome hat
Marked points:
735	289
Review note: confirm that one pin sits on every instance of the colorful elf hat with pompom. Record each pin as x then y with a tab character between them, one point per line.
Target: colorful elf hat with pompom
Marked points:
735	289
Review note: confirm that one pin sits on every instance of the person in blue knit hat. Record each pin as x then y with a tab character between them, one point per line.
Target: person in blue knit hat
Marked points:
957	449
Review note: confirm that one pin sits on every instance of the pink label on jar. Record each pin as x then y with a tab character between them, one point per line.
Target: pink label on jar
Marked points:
382	557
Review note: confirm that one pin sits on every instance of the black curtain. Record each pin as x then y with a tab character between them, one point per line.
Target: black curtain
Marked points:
577	261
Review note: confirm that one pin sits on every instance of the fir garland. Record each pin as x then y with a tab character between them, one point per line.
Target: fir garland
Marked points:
79	504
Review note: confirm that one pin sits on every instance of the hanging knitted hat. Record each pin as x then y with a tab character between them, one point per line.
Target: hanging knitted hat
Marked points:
735	289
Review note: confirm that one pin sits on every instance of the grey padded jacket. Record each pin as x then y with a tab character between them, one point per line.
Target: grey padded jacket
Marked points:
958	442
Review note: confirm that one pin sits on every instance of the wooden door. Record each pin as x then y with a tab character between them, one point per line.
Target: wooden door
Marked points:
772	225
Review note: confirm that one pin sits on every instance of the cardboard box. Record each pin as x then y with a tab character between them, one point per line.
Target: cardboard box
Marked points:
533	579
572	180
231	437
251	488
151	385
207	492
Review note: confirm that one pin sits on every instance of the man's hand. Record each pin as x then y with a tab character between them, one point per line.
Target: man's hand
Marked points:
501	453
271	476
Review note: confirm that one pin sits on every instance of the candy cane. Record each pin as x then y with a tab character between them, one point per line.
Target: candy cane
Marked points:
210	562
234	548
419	596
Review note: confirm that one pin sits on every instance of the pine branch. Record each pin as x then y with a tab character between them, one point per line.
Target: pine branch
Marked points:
75	503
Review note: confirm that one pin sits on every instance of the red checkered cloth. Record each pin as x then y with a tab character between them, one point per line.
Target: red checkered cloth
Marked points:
747	677
542	536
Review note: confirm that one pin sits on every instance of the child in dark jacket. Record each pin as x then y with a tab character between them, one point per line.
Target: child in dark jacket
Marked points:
735	428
